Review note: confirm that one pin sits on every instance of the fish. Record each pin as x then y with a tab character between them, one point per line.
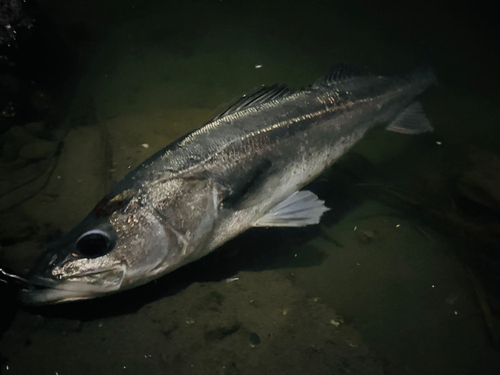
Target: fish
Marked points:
243	169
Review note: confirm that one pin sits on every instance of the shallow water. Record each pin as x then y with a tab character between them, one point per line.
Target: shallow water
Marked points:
378	287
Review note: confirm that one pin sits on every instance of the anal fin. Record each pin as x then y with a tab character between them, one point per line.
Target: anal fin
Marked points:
298	210
411	121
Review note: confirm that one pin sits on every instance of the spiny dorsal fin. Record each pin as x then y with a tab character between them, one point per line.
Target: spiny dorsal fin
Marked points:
338	72
264	95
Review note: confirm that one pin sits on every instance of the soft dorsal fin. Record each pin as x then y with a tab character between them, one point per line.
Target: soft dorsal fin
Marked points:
338	72
263	95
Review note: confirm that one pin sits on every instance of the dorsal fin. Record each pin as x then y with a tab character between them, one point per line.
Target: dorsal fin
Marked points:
338	72
264	95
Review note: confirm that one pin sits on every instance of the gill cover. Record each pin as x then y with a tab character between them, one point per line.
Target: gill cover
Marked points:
127	241
113	246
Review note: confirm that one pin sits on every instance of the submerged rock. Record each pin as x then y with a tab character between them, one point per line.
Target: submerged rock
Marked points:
28	141
13	140
39	149
15	226
36	129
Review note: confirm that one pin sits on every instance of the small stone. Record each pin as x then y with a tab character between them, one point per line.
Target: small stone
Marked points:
334	322
366	236
254	339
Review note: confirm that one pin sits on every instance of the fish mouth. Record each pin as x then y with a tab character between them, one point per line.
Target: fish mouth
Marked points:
43	290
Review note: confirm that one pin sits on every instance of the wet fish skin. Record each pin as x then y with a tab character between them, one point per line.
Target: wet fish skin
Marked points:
214	183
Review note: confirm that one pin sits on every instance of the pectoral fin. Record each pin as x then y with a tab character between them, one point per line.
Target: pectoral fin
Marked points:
298	210
411	121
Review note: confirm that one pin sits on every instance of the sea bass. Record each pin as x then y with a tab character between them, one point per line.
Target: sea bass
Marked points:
243	169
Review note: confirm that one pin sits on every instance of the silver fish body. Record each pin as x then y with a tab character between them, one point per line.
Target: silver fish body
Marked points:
243	169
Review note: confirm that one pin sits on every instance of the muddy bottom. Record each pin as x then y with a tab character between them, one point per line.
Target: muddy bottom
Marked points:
252	323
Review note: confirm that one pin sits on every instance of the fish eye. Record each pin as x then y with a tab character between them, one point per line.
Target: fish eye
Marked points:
93	244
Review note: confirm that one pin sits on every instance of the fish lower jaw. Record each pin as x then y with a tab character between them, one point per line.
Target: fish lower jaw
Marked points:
47	291
52	296
77	291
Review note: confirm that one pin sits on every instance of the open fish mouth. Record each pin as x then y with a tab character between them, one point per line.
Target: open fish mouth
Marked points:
42	290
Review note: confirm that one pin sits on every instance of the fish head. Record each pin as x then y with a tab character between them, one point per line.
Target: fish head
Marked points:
114	248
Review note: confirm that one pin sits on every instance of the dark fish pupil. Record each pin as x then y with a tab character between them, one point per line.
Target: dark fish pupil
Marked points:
93	245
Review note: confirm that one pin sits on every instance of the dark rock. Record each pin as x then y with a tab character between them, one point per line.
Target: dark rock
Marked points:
254	339
15	227
39	149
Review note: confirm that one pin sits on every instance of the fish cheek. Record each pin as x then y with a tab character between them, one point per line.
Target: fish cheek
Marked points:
189	215
78	267
185	210
141	241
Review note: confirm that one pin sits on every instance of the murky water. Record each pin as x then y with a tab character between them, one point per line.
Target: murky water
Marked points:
380	286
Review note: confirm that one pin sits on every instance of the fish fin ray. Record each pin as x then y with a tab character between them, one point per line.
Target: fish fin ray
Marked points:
298	210
411	121
338	72
263	95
